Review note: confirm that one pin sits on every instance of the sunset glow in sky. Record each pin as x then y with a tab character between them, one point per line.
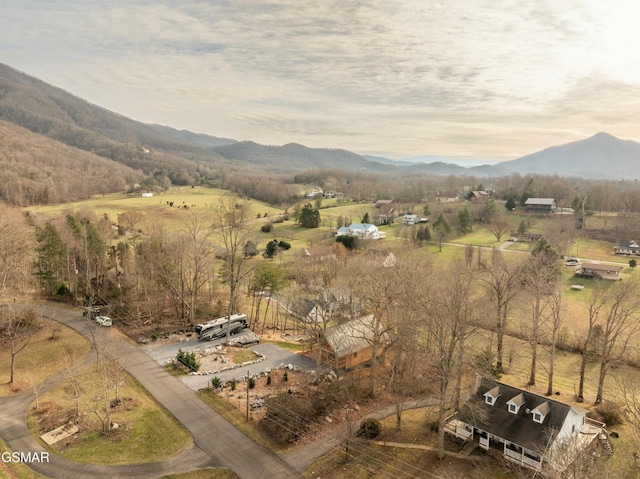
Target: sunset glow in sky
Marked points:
482	79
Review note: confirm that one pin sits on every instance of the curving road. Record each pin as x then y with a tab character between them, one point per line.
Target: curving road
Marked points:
216	442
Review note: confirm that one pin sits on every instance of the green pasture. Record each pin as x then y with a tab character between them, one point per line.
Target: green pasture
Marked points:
157	207
147	431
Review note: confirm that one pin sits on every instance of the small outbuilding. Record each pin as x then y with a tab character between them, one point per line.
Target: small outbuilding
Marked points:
540	205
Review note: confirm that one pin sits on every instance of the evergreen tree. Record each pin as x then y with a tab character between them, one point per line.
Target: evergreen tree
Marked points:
52	257
365	219
464	221
271	249
441	229
309	216
510	204
349	242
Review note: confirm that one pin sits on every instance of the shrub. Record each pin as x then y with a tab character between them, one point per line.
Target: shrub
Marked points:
233	383
485	362
285	376
216	382
283	245
268	380
609	414
349	242
267	228
271	249
369	429
188	359
251	383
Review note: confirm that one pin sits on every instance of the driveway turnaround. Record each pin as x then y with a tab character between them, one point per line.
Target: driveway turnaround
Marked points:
217	443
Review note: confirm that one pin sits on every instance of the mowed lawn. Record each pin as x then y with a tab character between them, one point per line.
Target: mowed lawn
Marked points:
42	357
146	431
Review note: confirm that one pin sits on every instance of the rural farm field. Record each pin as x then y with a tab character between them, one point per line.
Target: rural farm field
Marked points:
150	236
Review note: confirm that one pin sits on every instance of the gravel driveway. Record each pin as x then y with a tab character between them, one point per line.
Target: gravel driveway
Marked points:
275	357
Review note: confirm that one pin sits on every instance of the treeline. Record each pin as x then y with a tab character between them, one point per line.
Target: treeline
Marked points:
598	195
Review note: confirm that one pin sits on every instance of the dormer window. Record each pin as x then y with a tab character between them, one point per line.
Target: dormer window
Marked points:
515	403
540	412
491	396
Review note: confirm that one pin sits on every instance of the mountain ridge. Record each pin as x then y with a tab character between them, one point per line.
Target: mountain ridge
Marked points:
50	111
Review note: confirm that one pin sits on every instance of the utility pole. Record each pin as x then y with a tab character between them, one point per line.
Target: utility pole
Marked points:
248	378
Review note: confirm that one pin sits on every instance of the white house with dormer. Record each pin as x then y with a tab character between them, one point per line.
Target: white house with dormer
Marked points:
526	428
361	230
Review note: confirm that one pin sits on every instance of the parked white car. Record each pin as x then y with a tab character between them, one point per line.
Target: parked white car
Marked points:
103	320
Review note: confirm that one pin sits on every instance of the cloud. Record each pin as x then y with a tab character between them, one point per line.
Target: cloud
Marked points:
476	77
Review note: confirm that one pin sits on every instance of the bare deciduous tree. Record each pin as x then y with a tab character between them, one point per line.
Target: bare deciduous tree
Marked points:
500	279
452	311
197	259
16	251
499	226
231	220
620	327
556	306
17	328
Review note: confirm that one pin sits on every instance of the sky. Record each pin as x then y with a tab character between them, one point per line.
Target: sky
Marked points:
470	79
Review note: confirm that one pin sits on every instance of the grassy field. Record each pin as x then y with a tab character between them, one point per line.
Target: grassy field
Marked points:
34	363
146	432
196	199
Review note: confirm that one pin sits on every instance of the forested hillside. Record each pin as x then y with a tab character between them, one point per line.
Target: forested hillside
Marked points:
38	170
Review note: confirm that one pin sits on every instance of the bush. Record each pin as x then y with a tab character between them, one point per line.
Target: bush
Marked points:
267	228
283	245
369	429
188	359
268	380
233	383
485	362
251	383
349	242
609	414
216	382
285	376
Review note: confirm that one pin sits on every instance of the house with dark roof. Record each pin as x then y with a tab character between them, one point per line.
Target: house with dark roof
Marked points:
627	247
308	311
354	342
479	197
598	270
540	205
527	428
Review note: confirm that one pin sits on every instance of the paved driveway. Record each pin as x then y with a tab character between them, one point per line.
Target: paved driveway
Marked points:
217	442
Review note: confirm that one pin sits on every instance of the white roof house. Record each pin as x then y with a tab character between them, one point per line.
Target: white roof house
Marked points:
361	230
410	219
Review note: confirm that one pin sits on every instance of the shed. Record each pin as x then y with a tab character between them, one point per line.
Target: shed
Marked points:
540	205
